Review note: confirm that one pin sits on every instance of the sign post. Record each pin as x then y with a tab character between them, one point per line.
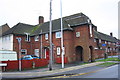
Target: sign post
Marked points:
19	42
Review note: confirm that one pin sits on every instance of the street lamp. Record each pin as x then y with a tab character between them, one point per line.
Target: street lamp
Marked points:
62	54
19	42
50	32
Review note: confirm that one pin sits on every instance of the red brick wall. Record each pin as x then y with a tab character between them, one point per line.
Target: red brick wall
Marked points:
24	44
70	44
26	64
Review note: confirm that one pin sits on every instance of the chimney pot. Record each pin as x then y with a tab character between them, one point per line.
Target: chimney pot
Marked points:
41	19
111	34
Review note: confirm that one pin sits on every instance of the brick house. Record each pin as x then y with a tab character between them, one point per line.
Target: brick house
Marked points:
82	41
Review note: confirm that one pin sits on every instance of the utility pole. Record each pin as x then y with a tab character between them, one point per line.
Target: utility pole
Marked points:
62	55
50	34
19	42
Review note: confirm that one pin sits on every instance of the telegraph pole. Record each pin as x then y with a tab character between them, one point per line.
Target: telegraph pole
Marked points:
62	55
50	34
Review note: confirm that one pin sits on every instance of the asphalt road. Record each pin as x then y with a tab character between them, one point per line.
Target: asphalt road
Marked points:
110	72
89	73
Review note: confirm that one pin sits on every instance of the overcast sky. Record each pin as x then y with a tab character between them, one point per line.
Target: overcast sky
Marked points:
103	13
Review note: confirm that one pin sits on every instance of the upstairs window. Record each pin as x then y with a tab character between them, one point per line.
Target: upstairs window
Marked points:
100	41
36	38
27	38
58	34
46	36
77	34
105	42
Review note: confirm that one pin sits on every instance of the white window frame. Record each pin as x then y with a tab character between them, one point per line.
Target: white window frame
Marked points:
58	50
77	34
36	38
24	50
105	42
45	54
27	38
46	36
58	34
90	26
36	52
100	40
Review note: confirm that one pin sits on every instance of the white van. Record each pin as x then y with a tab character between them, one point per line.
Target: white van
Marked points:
8	55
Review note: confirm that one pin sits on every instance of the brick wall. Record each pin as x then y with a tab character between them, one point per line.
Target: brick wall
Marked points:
26	64
71	42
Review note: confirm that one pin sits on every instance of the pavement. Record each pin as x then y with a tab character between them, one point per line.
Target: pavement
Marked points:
37	73
44	72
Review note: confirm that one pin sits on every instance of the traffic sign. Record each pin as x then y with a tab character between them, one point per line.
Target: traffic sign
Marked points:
103	44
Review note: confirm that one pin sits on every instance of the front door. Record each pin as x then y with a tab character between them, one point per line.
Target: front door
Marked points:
47	53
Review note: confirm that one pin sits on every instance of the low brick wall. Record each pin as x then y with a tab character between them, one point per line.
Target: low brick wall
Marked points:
26	64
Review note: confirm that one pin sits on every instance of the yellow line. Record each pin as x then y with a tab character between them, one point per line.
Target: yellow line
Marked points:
76	74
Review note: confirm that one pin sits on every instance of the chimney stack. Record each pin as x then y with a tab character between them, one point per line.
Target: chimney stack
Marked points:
111	34
41	19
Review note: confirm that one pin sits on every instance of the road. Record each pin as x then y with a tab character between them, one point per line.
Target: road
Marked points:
74	73
110	72
92	72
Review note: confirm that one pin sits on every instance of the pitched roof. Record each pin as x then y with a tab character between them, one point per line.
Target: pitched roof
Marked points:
20	28
103	36
68	22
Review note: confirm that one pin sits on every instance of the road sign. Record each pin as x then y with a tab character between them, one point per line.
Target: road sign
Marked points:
103	44
19	39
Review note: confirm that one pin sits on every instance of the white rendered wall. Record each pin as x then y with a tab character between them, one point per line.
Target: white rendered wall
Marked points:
6	42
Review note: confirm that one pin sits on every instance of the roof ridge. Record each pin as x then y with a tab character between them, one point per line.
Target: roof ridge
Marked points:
104	34
26	24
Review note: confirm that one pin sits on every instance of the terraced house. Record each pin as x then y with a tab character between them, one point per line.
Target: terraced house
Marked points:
82	41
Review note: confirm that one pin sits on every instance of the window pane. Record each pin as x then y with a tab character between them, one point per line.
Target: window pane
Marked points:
77	34
36	38
46	36
37	52
58	34
58	50
23	51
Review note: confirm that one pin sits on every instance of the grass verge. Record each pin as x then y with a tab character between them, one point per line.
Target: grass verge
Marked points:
107	64
110	59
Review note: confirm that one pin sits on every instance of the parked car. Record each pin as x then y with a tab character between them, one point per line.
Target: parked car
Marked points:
29	57
35	57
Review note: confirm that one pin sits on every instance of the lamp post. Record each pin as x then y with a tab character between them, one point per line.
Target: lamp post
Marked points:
62	55
50	34
19	42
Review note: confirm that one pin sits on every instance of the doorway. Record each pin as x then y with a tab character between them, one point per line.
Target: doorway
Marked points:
79	53
46	53
91	54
